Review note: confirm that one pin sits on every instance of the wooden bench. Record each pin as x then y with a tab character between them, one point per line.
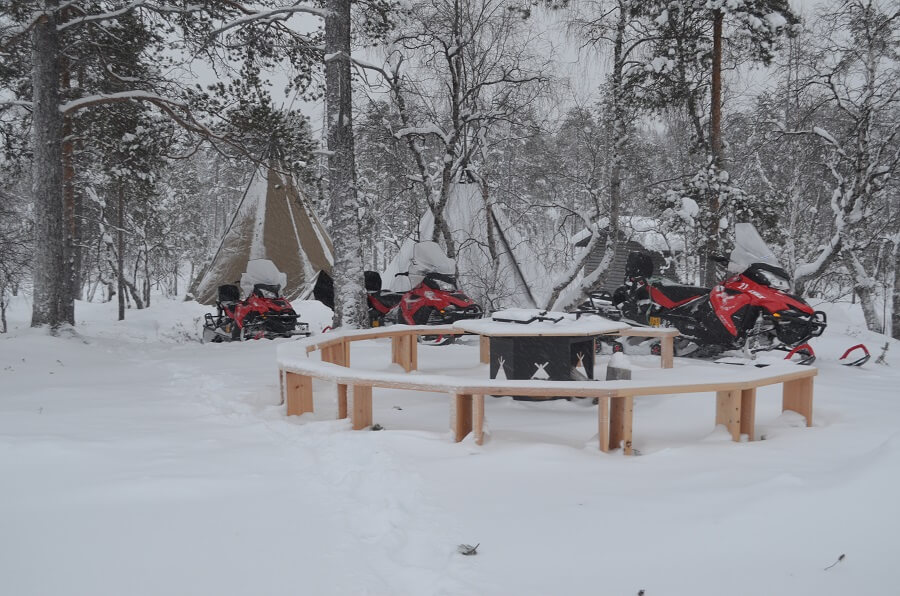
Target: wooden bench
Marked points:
735	389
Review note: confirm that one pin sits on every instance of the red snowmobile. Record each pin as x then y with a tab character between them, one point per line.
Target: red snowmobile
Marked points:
433	299
264	313
751	309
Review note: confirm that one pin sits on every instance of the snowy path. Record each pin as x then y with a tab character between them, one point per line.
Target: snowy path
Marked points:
134	465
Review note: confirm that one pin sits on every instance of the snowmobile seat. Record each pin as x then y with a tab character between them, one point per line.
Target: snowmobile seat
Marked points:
267	290
638	264
388	298
372	281
679	292
229	294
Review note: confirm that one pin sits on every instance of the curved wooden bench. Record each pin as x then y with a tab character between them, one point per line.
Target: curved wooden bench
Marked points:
735	389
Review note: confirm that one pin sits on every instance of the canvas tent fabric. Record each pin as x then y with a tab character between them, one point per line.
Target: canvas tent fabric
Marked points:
273	221
519	279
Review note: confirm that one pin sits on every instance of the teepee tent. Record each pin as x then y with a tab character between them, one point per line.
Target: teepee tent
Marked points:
273	221
516	278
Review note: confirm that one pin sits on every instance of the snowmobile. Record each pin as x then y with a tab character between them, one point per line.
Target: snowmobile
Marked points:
264	313
750	310
433	298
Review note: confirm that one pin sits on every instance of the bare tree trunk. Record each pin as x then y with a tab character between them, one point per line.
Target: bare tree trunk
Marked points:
120	250
713	242
72	248
892	294
50	274
2	310
348	272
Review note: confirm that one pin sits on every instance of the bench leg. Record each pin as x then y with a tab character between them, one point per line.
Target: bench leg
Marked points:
478	418
728	412
462	421
667	352
361	416
620	414
342	401
748	412
299	394
797	396
603	423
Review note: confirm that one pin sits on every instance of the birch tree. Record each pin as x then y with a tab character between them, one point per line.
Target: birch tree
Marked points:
44	28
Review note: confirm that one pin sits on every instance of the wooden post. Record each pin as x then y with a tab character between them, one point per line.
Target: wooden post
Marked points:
299	394
478	418
342	401
667	351
603	423
462	422
797	396
404	351
398	351
362	407
413	352
748	412
728	411
345	353
621	413
484	345
281	387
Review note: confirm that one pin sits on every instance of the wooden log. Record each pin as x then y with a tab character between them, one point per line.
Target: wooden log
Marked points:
361	416
299	394
748	412
478	418
728	412
797	396
462	421
342	401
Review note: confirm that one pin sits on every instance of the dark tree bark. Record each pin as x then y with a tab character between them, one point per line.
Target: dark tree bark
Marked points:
51	277
713	240
348	271
120	249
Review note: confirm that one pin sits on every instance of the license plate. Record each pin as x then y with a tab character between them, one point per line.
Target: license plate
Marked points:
655	322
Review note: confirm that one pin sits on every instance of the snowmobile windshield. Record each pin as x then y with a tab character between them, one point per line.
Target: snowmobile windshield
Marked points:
749	248
429	257
262	271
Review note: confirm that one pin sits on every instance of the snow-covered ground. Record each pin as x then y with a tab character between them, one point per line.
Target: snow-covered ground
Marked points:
135	460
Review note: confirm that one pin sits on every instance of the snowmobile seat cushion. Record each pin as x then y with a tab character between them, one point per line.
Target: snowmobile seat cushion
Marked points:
638	264
229	293
679	292
373	281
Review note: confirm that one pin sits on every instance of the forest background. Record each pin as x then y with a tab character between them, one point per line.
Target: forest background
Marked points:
131	128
